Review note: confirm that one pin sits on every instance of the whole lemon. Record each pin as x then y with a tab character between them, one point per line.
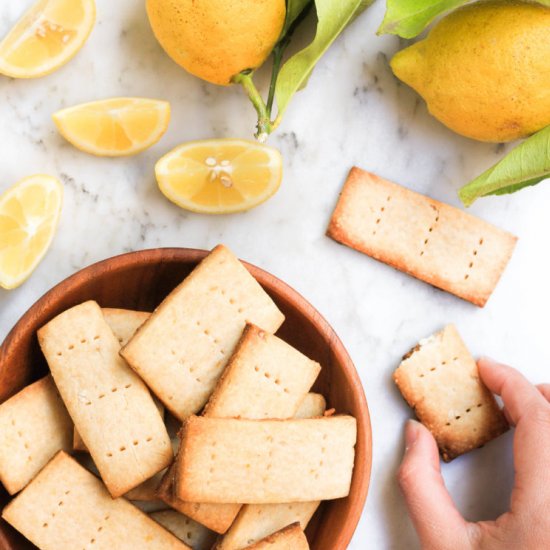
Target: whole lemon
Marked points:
217	39
484	70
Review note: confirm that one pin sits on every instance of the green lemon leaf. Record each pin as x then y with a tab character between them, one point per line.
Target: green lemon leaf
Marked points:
333	16
525	165
408	18
293	10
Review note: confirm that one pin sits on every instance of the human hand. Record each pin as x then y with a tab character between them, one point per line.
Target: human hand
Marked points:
526	526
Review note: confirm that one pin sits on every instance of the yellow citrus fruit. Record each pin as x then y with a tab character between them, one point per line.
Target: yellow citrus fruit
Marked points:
484	70
220	176
217	39
46	37
29	213
114	127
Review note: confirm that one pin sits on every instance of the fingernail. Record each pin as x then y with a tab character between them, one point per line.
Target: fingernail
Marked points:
411	433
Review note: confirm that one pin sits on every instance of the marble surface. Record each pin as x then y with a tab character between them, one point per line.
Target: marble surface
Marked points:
353	112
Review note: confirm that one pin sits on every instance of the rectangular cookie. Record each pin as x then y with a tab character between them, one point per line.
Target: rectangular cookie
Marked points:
439	379
67	507
110	405
256	521
425	238
123	323
265	461
290	538
192	533
182	349
264	378
34	426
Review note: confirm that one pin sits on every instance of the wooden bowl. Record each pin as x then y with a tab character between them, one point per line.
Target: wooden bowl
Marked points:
140	280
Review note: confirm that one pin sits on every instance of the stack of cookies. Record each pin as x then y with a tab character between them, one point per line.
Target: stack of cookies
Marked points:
198	421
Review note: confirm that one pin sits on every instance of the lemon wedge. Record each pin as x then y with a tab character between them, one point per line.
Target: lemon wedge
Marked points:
29	213
220	176
46	37
114	127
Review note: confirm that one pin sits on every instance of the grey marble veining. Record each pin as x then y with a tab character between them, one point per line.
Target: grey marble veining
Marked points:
353	112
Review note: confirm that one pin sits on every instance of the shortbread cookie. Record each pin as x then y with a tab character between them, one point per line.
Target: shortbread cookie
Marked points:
110	405
257	521
265	461
66	507
265	378
34	426
123	323
192	533
427	239
289	538
182	349
439	379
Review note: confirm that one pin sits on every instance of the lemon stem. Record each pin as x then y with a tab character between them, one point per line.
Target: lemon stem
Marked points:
263	127
278	52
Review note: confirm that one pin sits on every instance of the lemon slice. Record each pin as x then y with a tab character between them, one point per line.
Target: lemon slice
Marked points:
29	213
220	176
114	127
46	37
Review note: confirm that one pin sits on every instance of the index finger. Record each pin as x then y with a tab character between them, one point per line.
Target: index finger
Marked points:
518	394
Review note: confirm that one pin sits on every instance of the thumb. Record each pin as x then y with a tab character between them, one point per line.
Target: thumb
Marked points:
438	523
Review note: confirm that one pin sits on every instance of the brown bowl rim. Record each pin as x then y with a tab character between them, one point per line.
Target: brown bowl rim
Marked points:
193	255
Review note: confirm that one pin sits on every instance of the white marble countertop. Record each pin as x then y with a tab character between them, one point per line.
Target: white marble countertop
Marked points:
353	112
